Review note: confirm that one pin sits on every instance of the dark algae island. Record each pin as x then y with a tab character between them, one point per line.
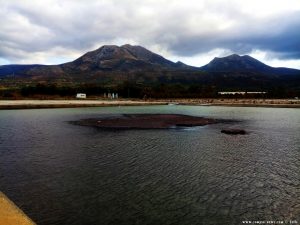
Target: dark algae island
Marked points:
146	121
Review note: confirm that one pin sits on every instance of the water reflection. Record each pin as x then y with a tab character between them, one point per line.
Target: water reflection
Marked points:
59	173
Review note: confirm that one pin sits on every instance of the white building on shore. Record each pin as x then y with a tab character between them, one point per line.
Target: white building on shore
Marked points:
80	95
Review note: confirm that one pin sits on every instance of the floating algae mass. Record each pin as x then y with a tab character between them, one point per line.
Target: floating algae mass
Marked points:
233	131
146	121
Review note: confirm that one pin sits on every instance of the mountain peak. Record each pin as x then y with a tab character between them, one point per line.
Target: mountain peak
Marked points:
233	56
236	63
104	53
125	57
108	46
130	46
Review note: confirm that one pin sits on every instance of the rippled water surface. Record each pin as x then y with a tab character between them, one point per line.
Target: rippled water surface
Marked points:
60	173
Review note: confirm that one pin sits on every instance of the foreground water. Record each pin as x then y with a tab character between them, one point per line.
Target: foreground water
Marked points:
60	173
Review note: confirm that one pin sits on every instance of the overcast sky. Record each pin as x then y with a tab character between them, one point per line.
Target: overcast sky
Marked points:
192	31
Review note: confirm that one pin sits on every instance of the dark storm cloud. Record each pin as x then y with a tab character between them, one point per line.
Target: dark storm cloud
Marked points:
282	38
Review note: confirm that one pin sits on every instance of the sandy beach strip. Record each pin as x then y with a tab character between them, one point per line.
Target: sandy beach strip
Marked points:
35	104
10	214
278	103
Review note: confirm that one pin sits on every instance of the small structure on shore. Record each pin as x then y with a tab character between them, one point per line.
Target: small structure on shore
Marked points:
241	92
80	95
111	95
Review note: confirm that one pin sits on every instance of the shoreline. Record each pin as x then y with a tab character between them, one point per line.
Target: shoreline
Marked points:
248	105
235	102
44	104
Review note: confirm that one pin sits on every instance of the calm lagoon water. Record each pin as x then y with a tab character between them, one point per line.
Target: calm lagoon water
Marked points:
60	173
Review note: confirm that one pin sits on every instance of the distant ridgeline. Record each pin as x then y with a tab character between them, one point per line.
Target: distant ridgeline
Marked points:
133	71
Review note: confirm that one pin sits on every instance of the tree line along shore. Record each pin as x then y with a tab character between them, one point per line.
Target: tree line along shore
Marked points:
143	91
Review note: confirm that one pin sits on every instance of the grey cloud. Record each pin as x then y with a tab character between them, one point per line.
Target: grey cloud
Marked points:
280	37
181	28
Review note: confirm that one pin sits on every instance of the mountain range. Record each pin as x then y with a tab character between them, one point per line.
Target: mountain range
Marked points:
111	64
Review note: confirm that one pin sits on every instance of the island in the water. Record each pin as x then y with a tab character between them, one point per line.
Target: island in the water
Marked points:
146	121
